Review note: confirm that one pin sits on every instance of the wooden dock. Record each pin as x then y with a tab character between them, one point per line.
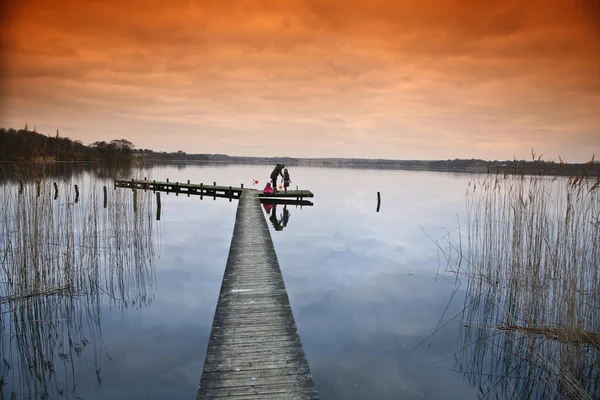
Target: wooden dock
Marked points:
254	351
292	197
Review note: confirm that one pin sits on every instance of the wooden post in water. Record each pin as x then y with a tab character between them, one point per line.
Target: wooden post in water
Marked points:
39	184
176	188
55	191
135	201
154	185
214	191
157	206
378	201
105	197
76	194
230	194
201	190
20	186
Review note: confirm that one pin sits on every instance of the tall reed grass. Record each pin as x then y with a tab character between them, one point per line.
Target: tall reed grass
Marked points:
60	262
531	320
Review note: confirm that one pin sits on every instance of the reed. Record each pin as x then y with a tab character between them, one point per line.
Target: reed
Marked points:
531	319
60	262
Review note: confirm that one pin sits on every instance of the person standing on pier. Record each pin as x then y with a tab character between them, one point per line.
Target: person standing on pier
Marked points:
276	172
286	179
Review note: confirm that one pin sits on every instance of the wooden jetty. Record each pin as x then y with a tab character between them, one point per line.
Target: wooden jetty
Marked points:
254	350
229	192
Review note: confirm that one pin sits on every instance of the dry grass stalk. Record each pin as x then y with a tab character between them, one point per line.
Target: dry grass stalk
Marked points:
45	292
574	336
531	252
57	261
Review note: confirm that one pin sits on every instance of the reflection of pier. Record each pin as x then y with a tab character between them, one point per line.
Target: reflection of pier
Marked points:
292	197
254	348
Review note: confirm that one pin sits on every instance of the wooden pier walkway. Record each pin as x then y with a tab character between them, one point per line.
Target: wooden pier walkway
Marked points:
254	351
229	192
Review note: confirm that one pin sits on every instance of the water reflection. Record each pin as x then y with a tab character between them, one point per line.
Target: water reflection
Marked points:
349	276
278	222
61	261
65	171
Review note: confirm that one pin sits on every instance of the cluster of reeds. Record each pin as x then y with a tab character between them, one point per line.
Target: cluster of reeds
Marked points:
59	261
531	319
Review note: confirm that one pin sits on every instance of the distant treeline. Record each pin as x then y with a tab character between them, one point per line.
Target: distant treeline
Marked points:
25	145
536	166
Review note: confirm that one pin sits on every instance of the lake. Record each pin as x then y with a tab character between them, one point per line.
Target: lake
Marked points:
377	312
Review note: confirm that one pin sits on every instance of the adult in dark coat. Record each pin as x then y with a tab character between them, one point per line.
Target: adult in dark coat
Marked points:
277	171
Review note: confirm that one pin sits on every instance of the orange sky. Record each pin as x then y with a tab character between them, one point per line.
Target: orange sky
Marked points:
420	79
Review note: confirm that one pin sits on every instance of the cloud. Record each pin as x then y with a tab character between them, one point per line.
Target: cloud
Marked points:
408	79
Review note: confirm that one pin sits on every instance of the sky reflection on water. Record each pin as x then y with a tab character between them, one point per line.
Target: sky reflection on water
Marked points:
362	286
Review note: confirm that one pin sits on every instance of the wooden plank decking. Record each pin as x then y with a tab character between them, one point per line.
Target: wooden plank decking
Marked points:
254	349
214	191
289	193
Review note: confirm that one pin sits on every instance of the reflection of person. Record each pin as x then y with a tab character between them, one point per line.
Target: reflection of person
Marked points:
268	208
286	180
273	218
268	188
276	172
286	216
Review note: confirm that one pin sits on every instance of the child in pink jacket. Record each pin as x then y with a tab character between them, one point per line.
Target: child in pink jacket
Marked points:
268	188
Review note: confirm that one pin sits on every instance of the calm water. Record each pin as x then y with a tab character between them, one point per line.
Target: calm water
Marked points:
366	288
